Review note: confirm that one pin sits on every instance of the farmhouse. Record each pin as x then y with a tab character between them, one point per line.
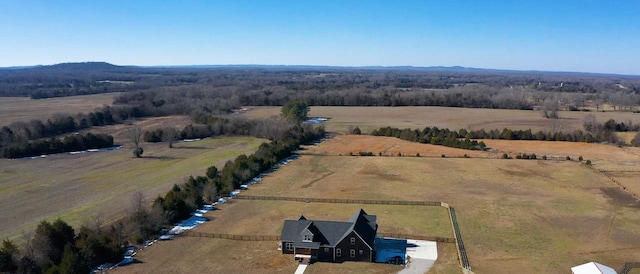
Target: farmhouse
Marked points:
330	241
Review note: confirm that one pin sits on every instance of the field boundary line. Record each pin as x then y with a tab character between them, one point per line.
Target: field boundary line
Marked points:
237	237
605	174
628	266
336	201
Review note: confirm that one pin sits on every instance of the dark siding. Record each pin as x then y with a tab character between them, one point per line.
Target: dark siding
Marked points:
346	247
325	256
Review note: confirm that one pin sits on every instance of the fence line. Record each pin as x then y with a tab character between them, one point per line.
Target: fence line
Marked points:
231	236
462	252
628	266
417	237
337	201
606	174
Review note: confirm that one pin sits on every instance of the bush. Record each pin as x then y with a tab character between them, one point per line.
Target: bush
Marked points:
505	156
580	158
544	157
588	162
443	156
138	152
568	158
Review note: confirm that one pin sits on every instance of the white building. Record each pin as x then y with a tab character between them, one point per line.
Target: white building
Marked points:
592	268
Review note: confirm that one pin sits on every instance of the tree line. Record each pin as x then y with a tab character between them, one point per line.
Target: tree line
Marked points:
70	143
431	135
593	133
57	248
182	200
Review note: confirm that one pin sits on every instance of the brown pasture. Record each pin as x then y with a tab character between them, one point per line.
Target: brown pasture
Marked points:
544	216
370	118
247	217
24	109
516	216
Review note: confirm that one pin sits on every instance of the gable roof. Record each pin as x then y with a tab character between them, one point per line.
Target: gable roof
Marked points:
330	233
592	268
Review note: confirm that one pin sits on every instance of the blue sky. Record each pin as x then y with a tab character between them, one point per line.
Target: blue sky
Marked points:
561	35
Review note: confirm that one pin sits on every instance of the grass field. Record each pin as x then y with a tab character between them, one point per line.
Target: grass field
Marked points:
370	118
542	216
247	217
78	187
516	216
16	109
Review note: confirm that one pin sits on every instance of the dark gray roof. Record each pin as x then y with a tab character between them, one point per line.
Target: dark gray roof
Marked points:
329	233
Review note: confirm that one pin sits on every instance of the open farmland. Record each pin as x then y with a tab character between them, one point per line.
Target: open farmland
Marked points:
370	118
544	216
516	216
246	217
24	109
78	187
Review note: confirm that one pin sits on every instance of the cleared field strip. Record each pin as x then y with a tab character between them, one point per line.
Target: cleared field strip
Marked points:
24	109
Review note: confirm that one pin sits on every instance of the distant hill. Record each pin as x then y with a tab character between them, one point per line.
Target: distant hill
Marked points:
84	66
107	67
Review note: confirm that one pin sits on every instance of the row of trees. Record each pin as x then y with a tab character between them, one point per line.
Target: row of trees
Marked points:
57	248
467	139
75	142
20	132
183	199
431	135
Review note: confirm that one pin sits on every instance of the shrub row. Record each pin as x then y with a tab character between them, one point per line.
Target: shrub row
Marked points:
69	143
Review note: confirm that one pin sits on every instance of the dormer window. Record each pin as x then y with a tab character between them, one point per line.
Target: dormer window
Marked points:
307	238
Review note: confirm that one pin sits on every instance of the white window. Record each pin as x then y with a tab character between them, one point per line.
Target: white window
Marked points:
360	251
326	250
307	238
352	253
288	246
353	240
338	252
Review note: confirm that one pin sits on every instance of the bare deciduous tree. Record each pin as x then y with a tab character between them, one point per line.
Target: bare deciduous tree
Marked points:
169	135
590	123
134	133
550	109
138	202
